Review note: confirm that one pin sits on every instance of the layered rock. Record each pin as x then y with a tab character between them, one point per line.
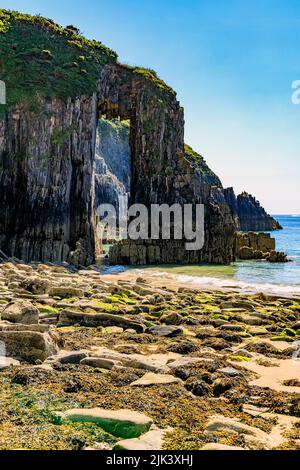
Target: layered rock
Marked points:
48	141
58	164
46	180
256	241
258	246
248	212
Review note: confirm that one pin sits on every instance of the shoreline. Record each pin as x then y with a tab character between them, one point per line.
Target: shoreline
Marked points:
162	279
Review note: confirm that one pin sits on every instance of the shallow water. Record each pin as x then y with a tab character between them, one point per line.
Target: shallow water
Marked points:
282	278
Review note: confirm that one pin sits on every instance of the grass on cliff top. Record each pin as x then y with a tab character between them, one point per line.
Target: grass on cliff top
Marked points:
151	76
38	58
200	165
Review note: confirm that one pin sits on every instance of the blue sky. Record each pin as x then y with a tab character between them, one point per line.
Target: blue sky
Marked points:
232	63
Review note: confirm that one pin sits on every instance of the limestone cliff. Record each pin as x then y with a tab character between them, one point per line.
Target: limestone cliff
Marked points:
58	85
249	214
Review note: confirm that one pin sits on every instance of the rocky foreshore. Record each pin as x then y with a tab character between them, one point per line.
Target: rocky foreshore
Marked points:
119	362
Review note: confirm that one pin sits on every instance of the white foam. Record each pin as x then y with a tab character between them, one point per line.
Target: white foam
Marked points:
226	283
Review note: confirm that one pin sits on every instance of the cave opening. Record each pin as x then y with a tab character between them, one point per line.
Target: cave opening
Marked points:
113	174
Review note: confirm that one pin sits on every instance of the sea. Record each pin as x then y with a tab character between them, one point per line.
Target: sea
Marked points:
249	276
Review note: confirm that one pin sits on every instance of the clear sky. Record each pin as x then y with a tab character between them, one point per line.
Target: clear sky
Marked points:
232	63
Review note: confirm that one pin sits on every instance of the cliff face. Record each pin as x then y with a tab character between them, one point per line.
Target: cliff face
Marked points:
113	162
46	180
249	214
201	168
47	139
58	85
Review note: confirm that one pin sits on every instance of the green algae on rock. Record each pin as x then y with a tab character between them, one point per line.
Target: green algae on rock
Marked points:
122	423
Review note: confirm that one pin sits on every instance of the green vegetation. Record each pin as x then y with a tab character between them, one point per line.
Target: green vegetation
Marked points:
151	76
120	128
45	60
47	309
121	298
241	358
200	165
35	412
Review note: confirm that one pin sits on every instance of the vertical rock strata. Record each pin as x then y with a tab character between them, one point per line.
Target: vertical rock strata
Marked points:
48	140
162	172
46	180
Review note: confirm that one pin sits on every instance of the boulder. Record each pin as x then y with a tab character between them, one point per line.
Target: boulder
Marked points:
99	362
277	257
245	253
28	345
67	357
65	292
167	331
21	311
171	319
94	320
155	379
35	285
122	423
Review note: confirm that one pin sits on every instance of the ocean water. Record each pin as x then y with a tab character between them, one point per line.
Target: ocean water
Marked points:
281	278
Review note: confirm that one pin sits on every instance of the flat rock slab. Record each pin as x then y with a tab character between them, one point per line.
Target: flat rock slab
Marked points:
151	362
215	446
93	320
7	326
100	363
284	423
67	291
6	362
251	434
187	361
152	440
67	357
155	379
123	423
166	331
230	371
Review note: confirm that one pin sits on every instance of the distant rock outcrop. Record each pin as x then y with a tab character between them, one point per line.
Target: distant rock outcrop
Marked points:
258	246
249	214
